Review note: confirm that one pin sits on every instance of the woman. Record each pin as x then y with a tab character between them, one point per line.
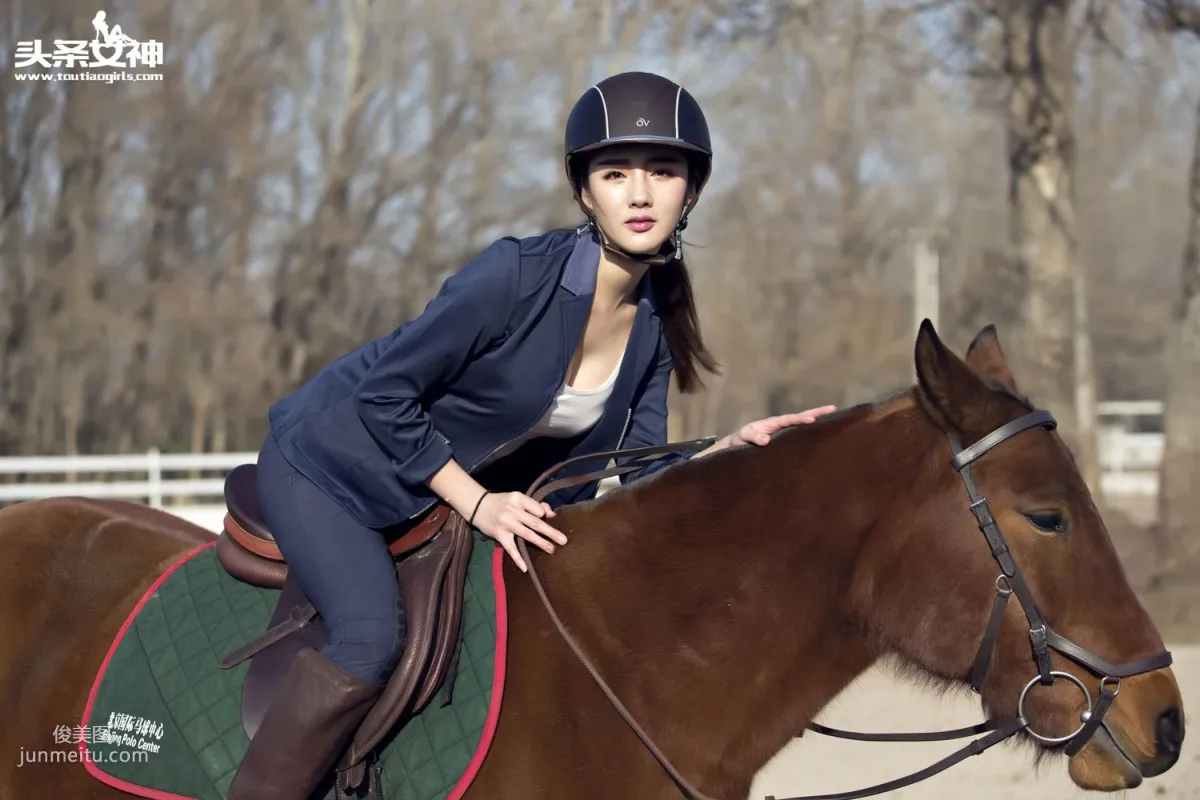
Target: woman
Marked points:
539	349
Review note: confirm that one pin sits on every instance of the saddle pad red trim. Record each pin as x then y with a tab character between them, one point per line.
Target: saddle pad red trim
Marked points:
90	763
464	782
501	659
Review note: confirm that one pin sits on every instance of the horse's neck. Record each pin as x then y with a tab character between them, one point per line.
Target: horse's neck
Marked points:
719	611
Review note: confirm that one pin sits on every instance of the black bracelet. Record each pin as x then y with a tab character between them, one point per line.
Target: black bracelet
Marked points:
471	521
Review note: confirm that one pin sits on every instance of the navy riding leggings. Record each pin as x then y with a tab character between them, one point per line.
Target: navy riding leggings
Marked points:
343	568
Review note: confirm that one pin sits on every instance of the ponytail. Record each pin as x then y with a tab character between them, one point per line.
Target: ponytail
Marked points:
672	289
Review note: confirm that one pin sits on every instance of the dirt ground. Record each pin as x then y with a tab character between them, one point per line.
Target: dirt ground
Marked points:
881	701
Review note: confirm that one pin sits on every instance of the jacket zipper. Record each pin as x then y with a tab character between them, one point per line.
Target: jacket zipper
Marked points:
613	461
624	430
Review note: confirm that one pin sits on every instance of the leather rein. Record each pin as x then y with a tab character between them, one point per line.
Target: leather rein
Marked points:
1009	582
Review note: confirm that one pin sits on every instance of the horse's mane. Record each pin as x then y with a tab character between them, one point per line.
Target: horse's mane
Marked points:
864	408
846	415
841	416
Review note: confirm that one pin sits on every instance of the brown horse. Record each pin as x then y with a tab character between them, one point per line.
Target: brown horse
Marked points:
725	601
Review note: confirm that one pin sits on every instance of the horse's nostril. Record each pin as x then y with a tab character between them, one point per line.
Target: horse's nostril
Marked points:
1170	731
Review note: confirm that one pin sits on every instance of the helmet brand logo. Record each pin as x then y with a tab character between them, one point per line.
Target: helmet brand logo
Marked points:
641	123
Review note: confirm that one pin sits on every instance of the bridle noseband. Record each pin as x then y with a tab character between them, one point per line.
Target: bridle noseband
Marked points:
1009	582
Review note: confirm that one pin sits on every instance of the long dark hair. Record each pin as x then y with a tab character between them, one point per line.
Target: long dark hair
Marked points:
672	287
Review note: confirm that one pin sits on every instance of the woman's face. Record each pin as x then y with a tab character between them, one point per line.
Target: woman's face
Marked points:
637	193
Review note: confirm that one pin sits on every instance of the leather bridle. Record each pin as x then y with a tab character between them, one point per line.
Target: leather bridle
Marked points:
1009	582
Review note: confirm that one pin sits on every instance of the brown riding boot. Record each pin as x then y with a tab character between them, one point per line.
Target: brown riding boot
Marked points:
310	723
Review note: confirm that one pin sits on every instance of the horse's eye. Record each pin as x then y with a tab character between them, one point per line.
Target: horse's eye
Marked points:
1048	521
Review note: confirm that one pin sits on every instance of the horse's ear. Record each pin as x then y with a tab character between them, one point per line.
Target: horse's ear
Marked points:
948	387
987	358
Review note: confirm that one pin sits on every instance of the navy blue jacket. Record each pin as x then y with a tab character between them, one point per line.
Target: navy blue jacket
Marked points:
478	367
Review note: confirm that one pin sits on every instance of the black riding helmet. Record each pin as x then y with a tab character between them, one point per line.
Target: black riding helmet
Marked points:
639	107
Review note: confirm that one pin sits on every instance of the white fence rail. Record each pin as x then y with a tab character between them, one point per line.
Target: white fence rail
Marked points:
1129	460
1129	463
93	476
153	464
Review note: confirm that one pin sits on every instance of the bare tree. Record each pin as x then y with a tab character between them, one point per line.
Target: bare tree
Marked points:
176	255
1179	544
1039	59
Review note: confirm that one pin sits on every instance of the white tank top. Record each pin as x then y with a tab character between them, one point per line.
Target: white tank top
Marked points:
572	412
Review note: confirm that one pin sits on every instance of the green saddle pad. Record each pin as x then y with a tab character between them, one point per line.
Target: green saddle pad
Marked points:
163	720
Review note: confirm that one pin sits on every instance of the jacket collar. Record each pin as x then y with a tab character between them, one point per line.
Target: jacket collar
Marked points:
579	277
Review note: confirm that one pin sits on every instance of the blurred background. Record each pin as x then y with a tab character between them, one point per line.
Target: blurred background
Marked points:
299	176
175	254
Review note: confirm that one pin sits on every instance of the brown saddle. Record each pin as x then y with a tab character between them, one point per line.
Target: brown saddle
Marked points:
431	565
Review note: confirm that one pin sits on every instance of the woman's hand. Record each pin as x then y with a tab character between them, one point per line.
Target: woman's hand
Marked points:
504	517
759	432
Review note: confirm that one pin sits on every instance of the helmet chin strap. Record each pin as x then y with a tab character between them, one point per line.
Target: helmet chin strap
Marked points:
669	250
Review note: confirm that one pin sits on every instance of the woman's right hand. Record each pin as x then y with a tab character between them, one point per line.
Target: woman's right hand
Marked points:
506	516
